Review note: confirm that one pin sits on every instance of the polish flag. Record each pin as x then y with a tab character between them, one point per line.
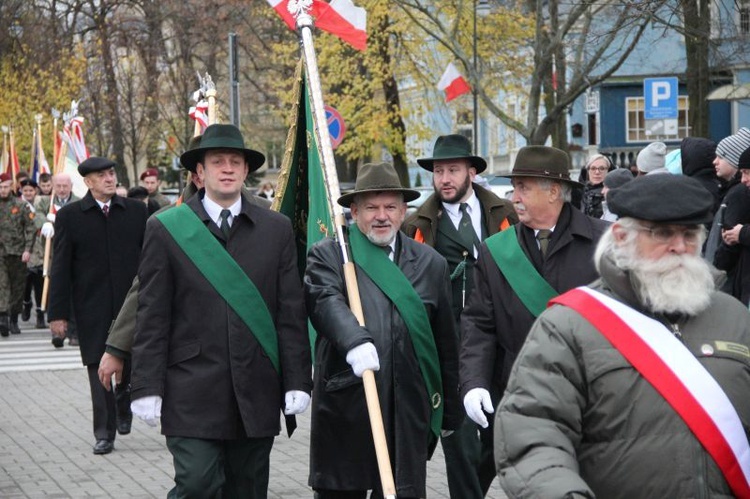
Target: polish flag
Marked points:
341	18
453	83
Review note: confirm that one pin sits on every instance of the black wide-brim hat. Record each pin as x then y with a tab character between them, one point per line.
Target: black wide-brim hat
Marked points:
219	136
377	177
454	146
542	162
665	198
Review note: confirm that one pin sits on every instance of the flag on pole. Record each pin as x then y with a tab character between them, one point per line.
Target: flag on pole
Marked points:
39	161
340	18
301	193
13	167
199	113
73	136
453	83
5	154
73	151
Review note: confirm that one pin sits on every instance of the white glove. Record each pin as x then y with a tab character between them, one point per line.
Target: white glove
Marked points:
51	217
476	402
48	230
295	402
362	358
148	409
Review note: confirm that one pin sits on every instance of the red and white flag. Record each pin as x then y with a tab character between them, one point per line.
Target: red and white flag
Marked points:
199	113
341	18
453	83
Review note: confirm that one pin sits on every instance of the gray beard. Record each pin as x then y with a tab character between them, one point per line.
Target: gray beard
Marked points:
674	284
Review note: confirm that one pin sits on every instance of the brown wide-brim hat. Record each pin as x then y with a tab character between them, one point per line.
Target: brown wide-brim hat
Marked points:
377	177
542	162
219	136
453	146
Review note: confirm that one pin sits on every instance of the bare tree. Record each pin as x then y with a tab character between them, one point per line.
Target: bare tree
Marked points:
574	46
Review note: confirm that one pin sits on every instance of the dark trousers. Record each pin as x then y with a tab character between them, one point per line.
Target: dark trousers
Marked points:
34	282
109	407
349	494
12	281
469	461
225	469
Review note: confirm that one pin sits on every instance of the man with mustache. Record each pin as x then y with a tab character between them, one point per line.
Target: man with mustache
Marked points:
549	252
454	220
408	337
635	386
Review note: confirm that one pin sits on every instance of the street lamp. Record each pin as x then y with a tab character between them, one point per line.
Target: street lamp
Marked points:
481	7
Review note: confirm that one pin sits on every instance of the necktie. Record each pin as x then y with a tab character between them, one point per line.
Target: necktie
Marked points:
224	215
466	228
387	250
105	210
543	237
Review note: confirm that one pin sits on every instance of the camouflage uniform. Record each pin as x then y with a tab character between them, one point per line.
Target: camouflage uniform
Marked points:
17	233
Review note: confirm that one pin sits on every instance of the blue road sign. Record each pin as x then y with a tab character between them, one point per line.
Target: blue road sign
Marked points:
660	98
336	126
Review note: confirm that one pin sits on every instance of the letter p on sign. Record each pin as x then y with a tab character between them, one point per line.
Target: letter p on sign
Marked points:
660	98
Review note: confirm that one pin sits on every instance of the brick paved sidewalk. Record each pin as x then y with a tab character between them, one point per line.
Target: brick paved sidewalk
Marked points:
46	441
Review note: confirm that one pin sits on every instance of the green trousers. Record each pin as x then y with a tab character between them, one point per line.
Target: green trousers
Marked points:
220	468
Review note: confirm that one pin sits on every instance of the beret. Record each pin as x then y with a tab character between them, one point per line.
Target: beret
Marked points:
95	164
5	177
151	172
673	199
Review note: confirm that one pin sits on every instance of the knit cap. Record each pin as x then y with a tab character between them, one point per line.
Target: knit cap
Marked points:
731	147
618	177
651	157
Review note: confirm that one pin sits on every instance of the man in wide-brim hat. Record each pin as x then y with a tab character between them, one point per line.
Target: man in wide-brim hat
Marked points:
221	342
408	336
454	220
550	251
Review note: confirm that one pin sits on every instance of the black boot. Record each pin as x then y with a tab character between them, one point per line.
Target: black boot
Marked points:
40	324
26	312
14	329
4	325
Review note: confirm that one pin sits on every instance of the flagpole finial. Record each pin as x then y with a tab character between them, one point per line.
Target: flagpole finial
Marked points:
300	9
55	113
5	129
38	118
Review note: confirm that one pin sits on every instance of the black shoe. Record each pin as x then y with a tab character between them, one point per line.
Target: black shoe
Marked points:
40	324
57	341
26	312
123	427
14	329
103	447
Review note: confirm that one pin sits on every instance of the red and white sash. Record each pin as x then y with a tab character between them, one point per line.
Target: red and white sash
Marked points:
676	374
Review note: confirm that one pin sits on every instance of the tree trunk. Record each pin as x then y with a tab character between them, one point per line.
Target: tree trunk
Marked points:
697	20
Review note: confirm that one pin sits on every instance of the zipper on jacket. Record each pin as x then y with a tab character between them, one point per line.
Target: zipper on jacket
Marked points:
676	330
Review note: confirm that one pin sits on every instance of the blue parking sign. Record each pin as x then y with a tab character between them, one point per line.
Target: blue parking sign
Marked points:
660	98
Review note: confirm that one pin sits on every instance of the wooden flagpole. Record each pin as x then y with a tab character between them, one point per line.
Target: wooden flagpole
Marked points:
304	24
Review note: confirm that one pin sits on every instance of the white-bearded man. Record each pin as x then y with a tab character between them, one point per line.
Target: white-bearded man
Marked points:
637	385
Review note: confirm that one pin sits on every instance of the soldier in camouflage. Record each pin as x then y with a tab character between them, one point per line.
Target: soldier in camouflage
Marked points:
17	233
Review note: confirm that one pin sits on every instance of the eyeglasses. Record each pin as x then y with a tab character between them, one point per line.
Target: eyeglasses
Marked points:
598	168
665	234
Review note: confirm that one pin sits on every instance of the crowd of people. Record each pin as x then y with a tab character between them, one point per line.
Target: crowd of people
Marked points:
586	338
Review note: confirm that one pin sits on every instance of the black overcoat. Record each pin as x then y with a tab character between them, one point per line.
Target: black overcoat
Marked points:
96	259
495	322
342	455
195	352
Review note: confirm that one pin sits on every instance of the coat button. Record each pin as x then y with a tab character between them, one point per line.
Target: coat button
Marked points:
707	349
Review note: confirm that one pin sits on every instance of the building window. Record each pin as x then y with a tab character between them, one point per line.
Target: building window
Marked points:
638	130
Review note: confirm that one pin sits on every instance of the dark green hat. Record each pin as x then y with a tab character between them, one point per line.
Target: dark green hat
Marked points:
219	136
542	162
377	177
452	147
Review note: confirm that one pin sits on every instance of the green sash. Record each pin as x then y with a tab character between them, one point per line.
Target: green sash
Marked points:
224	274
394	284
531	288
